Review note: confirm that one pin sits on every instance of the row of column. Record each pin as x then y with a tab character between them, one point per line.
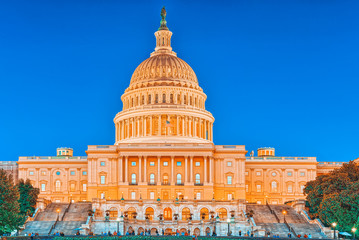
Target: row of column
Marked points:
157	125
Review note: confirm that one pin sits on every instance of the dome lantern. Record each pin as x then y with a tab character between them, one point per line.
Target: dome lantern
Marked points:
163	37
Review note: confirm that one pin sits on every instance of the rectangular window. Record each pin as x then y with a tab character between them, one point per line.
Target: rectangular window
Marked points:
198	196
84	187
258	173
152	195
72	187
103	179
84	173
72	173
289	174
259	188
133	195
229	196
31	173
102	164
43	187
198	164
179	163
302	174
290	189
229	164
43	173
152	164
229	180
133	163
165	164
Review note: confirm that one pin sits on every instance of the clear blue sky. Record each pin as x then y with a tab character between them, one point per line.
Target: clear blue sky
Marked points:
277	73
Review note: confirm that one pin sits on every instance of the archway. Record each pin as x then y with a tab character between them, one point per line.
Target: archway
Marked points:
149	213
153	231
208	231
204	213
168	231
222	213
197	232
167	214
183	230
130	230
139	230
113	212
186	213
131	213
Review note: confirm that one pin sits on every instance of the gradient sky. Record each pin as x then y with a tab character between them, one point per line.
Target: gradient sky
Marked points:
277	73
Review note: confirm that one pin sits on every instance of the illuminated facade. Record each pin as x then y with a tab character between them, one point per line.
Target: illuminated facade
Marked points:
164	153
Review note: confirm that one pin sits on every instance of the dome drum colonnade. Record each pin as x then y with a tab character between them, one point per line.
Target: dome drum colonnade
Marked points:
164	100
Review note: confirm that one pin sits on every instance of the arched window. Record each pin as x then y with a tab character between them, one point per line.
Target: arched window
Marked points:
179	99
113	212
179	178
222	213
149	99
143	99
185	213
274	186
167	214
131	212
165	179
190	100
171	98
290	188
57	186
185	99
133	178
137	101
156	98
198	178
149	213
163	98
204	213
152	178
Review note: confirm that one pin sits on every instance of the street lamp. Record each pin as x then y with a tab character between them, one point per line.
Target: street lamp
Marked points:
334	224
118	225
58	213
228	221
284	213
354	230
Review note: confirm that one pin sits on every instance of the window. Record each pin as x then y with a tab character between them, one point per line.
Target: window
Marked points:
149	99
152	195
156	98
72	187
133	195
58	173
133	178
133	164
152	164
43	187
171	98
289	174
259	188
229	164
179	178
102	164
31	173
58	186
84	187
302	174
198	178
165	179
198	196
290	188
72	173
274	174
43	173
274	186
102	196
84	173
198	164
229	180
258	173
247	188
152	178
229	196
165	164
179	163
103	180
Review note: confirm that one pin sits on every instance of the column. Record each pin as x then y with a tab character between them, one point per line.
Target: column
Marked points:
145	168
191	170
138	127
139	169
194	127
205	170
126	169
151	126
120	180
133	127
183	132
122	130
145	126
159	126
172	169
185	170
211	164
205	130
177	130
190	127
158	170
128	128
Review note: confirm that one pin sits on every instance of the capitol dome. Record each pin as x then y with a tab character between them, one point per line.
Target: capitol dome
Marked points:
164	102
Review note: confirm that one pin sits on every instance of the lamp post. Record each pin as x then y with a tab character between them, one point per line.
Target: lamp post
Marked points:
354	230
284	213
58	213
228	221
334	224
118	225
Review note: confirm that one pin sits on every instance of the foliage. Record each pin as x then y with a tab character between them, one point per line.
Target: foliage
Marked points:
10	216
28	197
335	197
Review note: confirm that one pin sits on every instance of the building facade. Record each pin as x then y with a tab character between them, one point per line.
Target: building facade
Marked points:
164	161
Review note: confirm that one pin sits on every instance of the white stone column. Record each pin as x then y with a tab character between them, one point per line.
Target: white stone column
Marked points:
191	170
138	127
120	180
194	127
159	126
159	170
172	170
177	123
133	127
211	165
145	168
139	169
185	170
151	126
126	169
128	128
145	126
205	170
183	128
190	127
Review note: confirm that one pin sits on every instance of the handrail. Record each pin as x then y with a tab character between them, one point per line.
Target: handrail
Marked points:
290	228
53	225
66	210
272	212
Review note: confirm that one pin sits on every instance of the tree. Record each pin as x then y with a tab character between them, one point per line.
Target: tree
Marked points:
335	197
10	217
28	197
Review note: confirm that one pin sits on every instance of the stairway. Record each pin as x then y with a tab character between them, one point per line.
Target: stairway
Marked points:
275	229
67	227
261	214
77	212
306	228
291	216
50	212
40	227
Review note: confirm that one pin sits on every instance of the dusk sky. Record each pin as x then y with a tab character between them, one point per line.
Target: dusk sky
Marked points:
282	74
